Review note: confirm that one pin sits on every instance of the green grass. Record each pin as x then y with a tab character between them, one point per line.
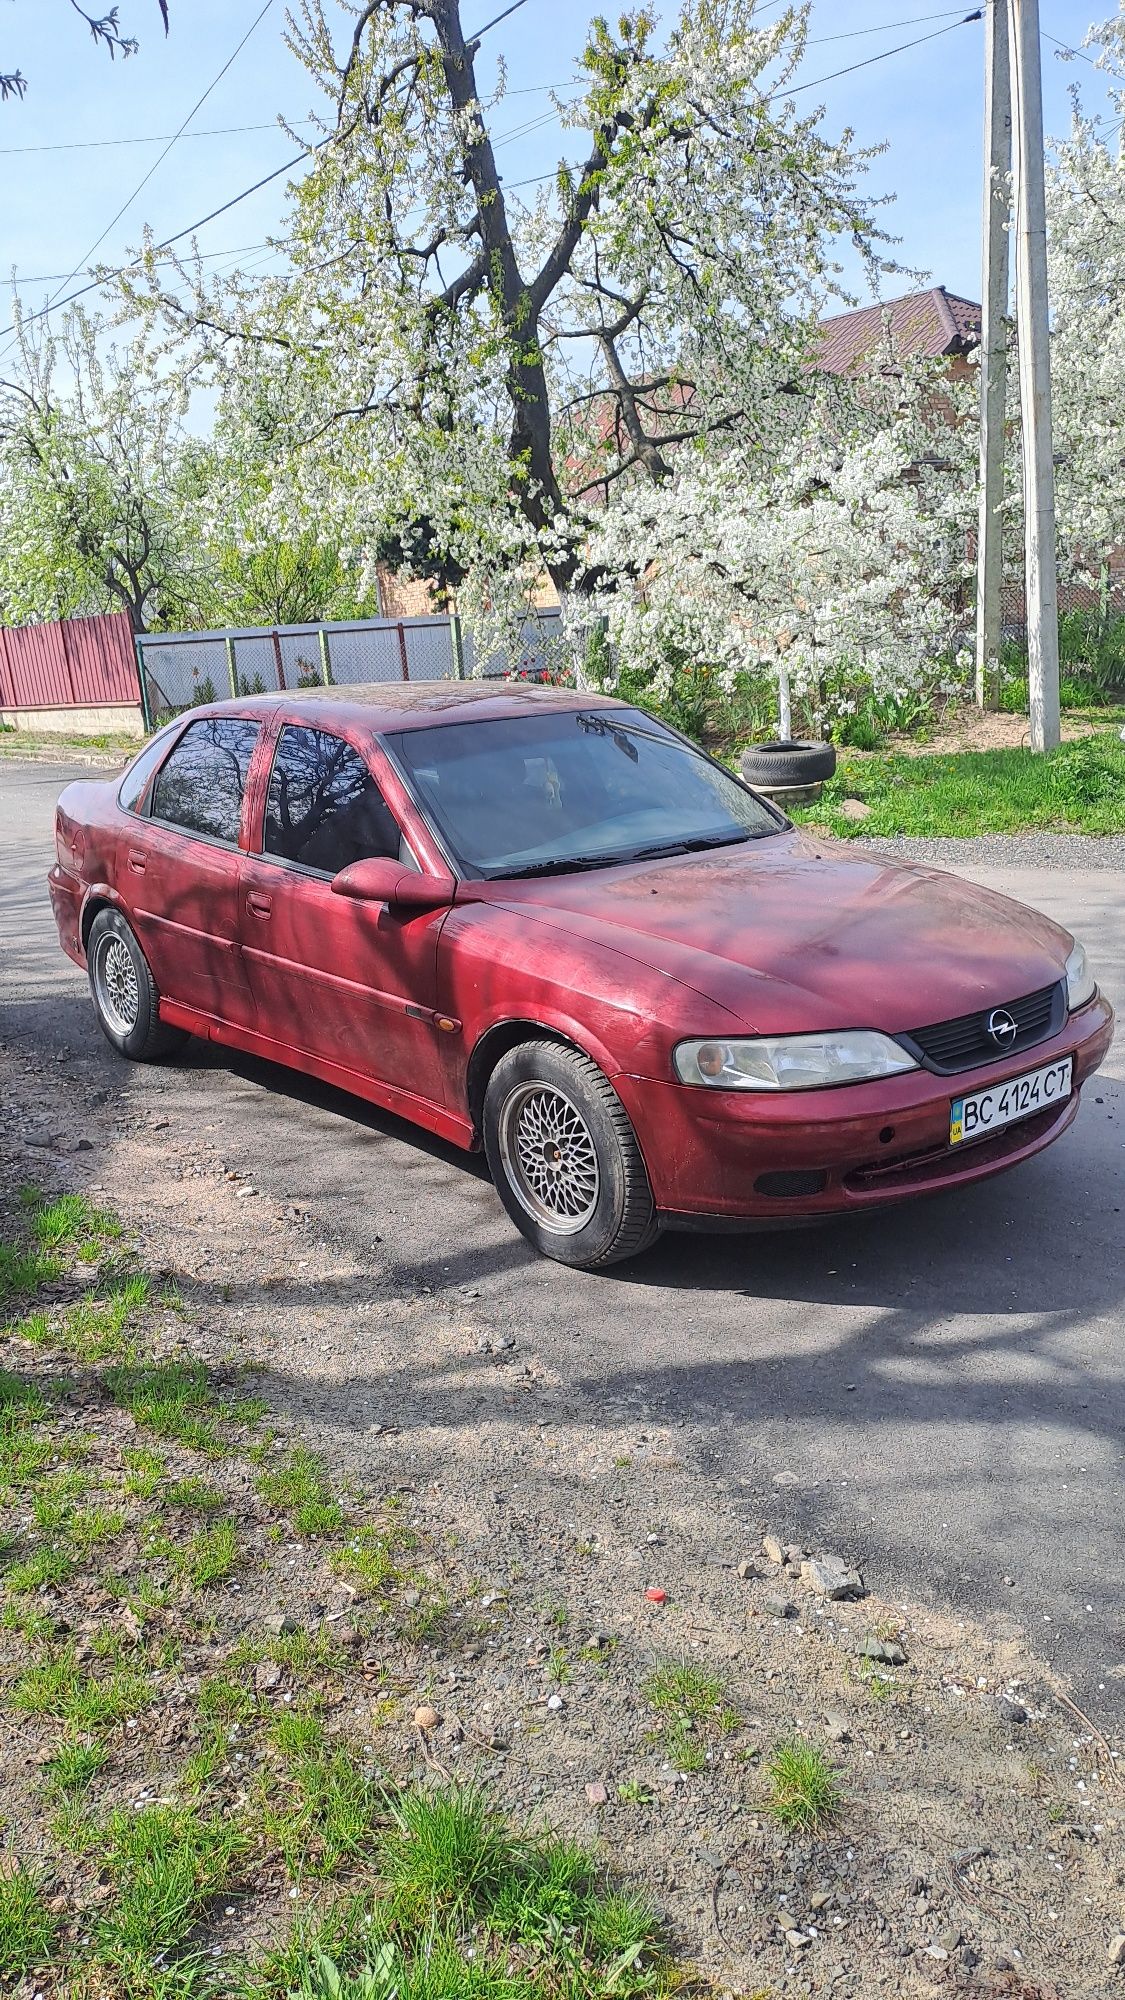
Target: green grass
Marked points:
193	1496
69	1220
299	1487
74	1767
368	1556
60	1688
27	1928
174	1399
144	1471
1079	787
804	1794
165	1864
23	1271
690	1703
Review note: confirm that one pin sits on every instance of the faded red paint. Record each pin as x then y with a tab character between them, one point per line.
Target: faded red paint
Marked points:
75	663
787	934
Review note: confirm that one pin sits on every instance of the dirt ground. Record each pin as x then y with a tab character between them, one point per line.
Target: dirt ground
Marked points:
965	728
979	1847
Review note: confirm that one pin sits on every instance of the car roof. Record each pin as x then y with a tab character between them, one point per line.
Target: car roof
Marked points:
383	705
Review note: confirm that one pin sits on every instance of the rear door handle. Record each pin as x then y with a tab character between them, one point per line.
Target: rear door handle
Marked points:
137	860
259	905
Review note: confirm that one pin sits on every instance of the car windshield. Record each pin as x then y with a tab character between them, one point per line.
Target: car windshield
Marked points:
571	789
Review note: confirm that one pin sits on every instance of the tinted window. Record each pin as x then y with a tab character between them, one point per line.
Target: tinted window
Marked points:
135	782
573	788
324	808
202	784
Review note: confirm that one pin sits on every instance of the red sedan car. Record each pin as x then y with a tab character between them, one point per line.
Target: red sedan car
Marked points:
540	921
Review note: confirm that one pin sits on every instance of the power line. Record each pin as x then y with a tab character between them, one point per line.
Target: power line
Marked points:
151	139
96	245
96	283
884	28
235	250
790	90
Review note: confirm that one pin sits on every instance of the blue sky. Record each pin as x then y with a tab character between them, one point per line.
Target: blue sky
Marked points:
925	104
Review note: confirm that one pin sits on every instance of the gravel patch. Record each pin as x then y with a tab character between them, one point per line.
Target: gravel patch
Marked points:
1010	850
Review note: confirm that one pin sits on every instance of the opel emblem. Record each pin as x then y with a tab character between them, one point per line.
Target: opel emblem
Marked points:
1002	1027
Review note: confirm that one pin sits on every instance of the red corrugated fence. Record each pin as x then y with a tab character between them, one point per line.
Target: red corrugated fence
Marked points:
77	663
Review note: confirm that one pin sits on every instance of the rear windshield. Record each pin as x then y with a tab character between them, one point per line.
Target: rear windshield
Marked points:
546	794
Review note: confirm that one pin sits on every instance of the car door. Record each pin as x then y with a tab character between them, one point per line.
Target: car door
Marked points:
351	983
178	868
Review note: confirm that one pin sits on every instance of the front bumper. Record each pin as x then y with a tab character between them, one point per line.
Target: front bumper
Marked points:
874	1143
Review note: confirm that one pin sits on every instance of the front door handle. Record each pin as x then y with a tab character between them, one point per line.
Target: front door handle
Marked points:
259	905
137	860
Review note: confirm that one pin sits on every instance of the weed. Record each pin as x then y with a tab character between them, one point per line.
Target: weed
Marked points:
368	1555
27	1928
300	1488
194	1496
559	1669
74	1766
685	1750
59	1688
67	1219
143	1474
210	1555
296	1733
424	1621
632	1793
681	1689
172	1398
804	1795
446	1849
91	1526
23	1271
331	1817
224	1700
165	1864
46	1568
21	1402
33	1625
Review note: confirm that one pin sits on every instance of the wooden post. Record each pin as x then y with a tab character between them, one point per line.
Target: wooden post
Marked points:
278	661
405	663
1033	339
993	349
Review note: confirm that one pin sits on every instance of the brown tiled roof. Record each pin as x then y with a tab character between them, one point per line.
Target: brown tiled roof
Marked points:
927	324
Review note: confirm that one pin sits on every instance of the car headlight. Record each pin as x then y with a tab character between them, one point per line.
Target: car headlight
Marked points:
791	1062
1080	982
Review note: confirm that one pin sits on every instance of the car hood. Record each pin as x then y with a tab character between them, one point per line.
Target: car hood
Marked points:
794	932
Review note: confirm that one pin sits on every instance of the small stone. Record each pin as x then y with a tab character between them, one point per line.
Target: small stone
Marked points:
836	1728
426	1717
282	1622
779	1607
267	1674
820	1899
886	1652
1011	1709
411	1598
772	1549
794	1553
1117	1949
597	1794
854	809
949	1938
747	1569
555	1702
245	1193
936	1951
830	1576
797	1940
597	1641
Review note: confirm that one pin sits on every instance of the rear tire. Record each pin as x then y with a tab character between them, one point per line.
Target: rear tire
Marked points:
565	1159
126	1001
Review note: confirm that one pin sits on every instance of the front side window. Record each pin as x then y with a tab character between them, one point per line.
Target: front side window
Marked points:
201	786
324	808
545	794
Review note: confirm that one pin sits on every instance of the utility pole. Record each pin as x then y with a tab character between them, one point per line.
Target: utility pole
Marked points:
1033	336
994	348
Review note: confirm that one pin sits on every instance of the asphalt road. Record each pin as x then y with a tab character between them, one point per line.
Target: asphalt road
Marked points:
938	1393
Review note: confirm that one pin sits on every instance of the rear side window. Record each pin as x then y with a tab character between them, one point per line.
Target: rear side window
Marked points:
201	786
324	808
135	782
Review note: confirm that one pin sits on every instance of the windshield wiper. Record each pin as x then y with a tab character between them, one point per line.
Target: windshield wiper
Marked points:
559	865
691	846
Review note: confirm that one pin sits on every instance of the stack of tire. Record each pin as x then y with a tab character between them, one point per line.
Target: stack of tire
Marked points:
787	765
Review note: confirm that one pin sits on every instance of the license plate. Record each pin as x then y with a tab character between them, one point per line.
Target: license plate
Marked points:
974	1117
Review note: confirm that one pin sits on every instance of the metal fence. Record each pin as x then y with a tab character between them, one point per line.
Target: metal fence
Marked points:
69	663
183	669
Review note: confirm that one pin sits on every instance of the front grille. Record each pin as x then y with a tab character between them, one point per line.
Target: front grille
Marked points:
950	1046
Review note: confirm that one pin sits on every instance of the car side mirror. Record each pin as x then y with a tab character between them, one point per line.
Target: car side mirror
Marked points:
380	880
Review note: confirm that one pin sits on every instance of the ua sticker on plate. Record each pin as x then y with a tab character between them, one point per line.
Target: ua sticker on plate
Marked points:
1021	1097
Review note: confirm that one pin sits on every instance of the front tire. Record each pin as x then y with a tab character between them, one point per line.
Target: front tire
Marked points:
126	1001
565	1159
